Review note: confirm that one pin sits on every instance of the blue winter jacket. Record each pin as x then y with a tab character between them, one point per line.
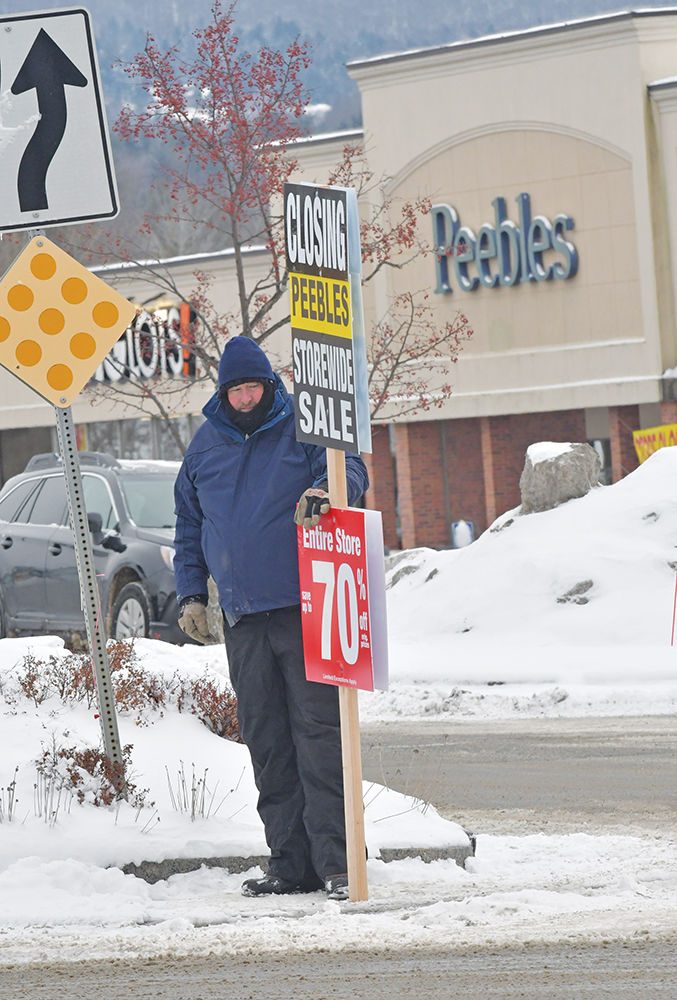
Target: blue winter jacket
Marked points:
235	498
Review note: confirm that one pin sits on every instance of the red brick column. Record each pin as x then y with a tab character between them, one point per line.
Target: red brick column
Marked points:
381	494
623	420
484	462
420	486
488	469
669	413
462	442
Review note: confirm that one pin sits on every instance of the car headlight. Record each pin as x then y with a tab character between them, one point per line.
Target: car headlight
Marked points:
167	553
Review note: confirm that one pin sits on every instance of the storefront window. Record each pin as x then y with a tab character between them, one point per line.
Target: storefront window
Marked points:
166	442
136	438
603	448
102	436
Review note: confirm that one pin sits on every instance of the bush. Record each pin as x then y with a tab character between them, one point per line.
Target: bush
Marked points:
86	772
215	707
91	774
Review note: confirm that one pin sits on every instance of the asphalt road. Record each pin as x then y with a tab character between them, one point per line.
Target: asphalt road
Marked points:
556	775
502	777
635	971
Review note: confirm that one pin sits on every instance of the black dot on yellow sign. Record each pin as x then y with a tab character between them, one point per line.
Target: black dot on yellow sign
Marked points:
55	318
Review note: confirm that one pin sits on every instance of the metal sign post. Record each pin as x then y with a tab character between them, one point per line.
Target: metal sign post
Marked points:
57	323
89	591
57	320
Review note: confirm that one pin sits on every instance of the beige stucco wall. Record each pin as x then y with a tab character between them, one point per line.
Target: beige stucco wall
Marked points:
662	136
586	329
563	116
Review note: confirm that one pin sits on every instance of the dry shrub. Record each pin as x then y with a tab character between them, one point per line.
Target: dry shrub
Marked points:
91	774
214	707
33	680
71	679
134	688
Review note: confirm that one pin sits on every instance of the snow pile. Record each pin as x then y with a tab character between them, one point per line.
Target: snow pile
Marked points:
543	451
519	889
581	595
173	753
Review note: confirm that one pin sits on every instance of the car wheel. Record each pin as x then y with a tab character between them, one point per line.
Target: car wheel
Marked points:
131	613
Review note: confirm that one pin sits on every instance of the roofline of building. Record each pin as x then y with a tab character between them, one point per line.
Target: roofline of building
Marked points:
668	83
193	258
510	36
319	137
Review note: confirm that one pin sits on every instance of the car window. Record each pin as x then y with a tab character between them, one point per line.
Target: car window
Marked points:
150	500
98	500
49	504
10	505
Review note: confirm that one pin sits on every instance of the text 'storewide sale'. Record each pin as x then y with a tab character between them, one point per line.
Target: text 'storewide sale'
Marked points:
342	577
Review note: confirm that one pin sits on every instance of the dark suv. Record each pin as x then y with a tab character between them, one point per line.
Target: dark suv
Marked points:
130	506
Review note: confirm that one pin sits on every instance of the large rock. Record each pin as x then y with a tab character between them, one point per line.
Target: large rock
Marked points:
554	473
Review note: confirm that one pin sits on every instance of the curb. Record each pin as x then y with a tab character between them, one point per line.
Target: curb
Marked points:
157	871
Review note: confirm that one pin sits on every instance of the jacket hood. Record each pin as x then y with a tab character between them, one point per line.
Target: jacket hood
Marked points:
217	415
243	359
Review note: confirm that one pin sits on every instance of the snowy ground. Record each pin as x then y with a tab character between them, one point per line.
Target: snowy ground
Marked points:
565	613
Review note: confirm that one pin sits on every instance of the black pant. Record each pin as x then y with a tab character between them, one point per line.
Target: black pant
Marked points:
291	727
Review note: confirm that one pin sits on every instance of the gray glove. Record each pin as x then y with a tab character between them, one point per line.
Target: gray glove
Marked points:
193	621
313	503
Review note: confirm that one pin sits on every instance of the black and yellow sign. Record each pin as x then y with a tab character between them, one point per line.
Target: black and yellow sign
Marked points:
57	321
321	303
316	230
320	294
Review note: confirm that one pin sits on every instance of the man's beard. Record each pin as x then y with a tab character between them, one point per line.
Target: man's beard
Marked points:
251	420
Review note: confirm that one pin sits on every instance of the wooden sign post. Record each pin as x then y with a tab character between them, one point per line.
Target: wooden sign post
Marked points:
332	401
350	730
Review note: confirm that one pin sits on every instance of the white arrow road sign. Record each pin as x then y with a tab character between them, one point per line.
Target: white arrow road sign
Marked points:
56	166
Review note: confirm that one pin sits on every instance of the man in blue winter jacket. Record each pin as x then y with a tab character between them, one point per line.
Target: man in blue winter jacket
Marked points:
236	503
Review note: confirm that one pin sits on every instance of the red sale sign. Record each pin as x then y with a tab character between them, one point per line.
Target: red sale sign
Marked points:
342	575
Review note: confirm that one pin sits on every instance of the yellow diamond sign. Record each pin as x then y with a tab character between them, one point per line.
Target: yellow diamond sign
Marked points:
57	321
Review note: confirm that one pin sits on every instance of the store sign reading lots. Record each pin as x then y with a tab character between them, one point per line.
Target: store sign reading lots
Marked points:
502	253
157	344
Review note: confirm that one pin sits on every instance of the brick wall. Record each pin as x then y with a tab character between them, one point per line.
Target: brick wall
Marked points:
462	441
669	413
505	442
381	494
484	462
420	486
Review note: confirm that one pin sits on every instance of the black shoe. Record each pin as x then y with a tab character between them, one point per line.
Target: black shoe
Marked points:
336	887
273	885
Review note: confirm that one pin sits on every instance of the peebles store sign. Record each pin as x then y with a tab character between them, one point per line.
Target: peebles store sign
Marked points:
502	253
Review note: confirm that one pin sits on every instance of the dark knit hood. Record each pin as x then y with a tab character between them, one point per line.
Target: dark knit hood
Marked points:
243	360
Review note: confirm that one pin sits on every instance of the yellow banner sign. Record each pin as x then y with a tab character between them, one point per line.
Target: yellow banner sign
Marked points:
650	439
320	305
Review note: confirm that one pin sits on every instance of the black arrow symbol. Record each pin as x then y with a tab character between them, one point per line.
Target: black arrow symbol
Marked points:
47	70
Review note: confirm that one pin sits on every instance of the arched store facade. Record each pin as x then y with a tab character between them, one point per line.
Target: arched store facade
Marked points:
549	158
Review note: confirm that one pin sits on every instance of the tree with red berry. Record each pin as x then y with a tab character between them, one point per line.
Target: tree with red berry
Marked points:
228	121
